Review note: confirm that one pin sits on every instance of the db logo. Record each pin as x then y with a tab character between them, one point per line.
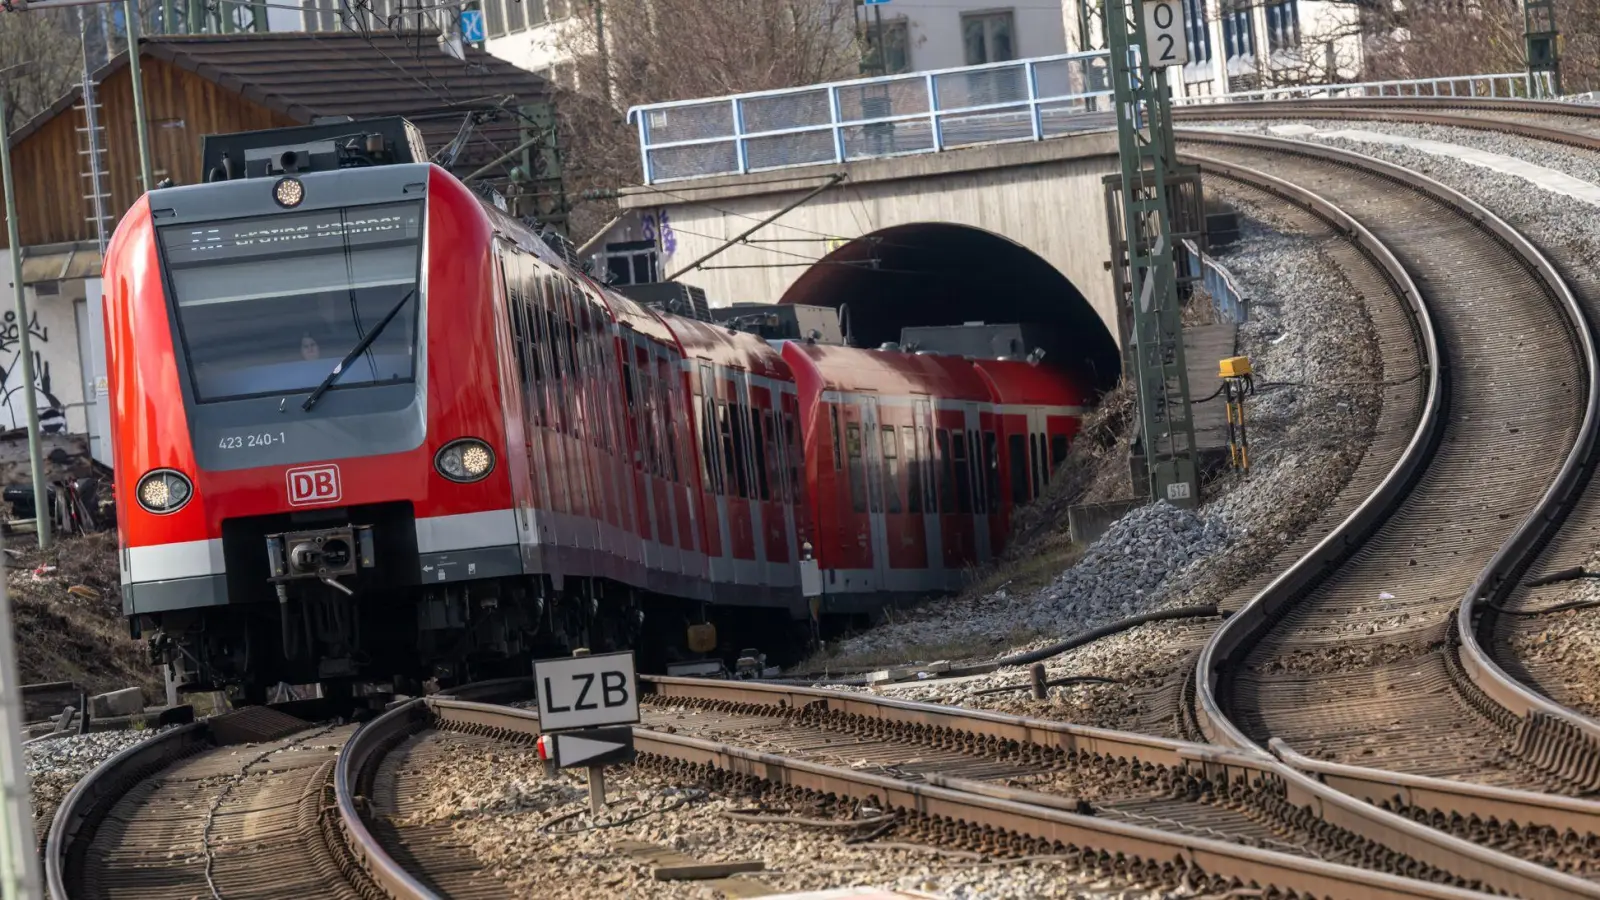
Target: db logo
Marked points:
313	485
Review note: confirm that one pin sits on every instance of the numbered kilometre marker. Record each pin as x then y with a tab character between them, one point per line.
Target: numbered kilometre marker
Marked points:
1164	34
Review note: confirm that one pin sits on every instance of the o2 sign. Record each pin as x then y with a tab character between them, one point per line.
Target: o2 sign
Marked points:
669	238
1164	37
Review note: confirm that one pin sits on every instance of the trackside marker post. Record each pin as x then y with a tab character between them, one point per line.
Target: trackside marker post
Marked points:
582	699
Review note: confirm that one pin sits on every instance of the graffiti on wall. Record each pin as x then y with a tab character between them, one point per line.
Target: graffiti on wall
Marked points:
655	221
14	403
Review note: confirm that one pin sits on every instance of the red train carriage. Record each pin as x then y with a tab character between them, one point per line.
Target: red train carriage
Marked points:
914	462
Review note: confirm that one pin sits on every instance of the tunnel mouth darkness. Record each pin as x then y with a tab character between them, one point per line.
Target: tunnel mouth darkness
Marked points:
944	274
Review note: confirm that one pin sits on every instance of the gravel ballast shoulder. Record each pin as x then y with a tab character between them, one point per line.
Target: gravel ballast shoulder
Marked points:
55	765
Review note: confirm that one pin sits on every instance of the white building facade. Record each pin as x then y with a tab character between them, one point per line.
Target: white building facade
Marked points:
1246	45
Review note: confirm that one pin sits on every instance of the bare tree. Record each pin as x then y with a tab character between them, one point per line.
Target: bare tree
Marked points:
47	42
629	52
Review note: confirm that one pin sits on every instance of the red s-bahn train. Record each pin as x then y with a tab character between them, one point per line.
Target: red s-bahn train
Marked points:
371	429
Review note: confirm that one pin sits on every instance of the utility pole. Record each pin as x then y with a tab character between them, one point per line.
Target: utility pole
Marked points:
42	510
1144	40
1544	43
130	20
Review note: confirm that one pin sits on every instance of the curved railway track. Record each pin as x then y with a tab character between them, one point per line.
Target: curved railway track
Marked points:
1351	655
1547	701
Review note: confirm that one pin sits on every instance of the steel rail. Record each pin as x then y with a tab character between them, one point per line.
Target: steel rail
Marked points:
1220	764
1286	108
1020	813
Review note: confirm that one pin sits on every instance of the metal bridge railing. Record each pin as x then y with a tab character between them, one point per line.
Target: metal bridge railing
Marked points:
927	112
1508	85
924	112
1228	300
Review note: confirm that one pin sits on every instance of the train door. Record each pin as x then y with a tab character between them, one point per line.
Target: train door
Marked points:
713	501
767	483
637	404
1038	441
857	554
872	439
672	534
927	467
981	465
902	500
788	460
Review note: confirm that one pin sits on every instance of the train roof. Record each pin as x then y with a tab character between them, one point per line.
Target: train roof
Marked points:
706	342
883	372
1016	382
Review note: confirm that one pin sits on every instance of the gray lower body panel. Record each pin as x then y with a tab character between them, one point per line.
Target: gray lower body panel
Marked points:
180	593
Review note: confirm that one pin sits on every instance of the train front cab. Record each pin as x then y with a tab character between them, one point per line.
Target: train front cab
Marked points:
271	529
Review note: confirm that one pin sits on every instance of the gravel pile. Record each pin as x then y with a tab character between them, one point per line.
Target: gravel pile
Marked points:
54	766
1315	358
537	836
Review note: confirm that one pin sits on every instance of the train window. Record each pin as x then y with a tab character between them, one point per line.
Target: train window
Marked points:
790	440
913	469
759	455
669	419
774	458
858	475
838	446
947	484
627	384
1017	450
1058	451
991	466
891	467
963	478
733	442
1036	445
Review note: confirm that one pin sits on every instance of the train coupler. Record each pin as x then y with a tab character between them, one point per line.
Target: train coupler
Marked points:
325	554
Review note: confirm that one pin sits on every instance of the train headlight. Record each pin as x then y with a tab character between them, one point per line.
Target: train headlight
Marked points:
465	461
288	192
164	491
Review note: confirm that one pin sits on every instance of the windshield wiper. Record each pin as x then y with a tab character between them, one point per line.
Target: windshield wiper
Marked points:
357	350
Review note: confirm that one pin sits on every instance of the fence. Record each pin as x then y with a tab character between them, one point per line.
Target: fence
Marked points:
927	112
1507	85
1229	301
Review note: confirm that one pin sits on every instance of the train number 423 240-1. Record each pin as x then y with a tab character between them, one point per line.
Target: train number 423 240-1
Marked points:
236	441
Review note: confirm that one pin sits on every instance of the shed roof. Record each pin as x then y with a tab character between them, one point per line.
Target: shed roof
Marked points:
305	75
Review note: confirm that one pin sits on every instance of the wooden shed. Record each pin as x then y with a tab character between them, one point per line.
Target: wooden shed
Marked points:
208	84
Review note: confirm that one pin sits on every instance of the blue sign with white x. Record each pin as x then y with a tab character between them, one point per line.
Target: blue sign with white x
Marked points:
472	26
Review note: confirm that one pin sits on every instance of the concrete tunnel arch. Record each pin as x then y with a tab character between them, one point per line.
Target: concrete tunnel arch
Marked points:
939	273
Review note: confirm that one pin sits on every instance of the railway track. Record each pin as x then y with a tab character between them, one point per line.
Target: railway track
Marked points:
1547	700
942	790
1355	655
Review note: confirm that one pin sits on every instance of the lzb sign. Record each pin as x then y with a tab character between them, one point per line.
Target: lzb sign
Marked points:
586	691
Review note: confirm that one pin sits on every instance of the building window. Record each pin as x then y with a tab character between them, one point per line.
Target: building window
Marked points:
988	37
631	262
1238	33
1283	25
895	58
1197	30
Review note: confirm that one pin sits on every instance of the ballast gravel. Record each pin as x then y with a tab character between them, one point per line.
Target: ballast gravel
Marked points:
1317	371
536	836
55	765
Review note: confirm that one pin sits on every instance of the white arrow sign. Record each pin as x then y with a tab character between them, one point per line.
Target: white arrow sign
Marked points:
599	747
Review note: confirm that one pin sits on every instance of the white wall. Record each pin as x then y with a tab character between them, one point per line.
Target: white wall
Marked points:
58	366
935	31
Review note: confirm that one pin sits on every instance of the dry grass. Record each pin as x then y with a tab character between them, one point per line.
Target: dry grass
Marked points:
64	637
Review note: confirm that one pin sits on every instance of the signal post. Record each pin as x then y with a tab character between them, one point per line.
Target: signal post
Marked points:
1145	37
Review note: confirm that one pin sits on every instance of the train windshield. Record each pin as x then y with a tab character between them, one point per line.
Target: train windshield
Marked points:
268	306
